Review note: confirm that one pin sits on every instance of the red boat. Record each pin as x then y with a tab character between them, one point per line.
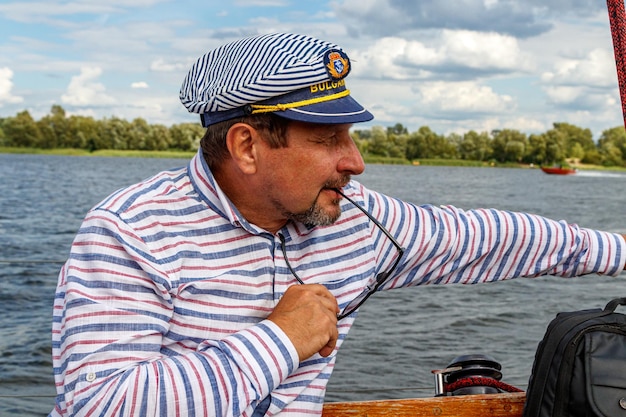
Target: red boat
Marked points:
559	170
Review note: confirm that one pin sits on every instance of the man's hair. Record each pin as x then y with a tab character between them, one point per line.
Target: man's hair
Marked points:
273	130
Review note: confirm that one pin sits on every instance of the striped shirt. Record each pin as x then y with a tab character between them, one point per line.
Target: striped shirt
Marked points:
161	307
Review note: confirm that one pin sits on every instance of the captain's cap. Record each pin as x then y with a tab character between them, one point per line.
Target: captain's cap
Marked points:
295	76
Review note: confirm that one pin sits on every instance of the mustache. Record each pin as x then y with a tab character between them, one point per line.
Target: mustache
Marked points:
338	183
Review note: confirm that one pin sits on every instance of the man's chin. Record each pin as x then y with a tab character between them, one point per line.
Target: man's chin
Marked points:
324	212
322	218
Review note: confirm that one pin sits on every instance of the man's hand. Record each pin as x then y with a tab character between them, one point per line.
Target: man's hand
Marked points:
308	316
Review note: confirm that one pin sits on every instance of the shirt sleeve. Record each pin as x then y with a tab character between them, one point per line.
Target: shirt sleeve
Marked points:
450	245
112	309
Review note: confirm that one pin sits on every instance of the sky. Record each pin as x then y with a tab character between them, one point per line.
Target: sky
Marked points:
451	65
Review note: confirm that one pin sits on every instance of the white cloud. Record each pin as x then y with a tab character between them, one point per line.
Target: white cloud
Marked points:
385	59
139	84
596	69
564	94
525	124
463	96
584	84
6	85
482	50
83	90
455	52
160	65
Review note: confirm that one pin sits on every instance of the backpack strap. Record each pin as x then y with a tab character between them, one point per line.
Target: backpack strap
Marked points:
612	305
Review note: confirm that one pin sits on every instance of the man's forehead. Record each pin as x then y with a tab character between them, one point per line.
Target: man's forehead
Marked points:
320	127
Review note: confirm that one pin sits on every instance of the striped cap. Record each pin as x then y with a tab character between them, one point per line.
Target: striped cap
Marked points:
294	76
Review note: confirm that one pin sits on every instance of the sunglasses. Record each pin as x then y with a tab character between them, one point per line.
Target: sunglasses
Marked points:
381	278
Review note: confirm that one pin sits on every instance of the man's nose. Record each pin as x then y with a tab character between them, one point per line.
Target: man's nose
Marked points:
351	161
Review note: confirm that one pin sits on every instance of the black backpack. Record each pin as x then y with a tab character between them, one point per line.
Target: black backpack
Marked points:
580	366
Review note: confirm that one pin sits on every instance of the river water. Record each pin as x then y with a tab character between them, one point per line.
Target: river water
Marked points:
399	337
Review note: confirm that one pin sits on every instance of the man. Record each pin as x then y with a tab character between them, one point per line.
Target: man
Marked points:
227	287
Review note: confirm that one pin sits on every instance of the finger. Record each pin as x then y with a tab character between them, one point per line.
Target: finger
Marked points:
324	292
330	345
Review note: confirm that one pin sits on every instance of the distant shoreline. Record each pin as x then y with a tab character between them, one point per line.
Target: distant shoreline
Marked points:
102	153
367	159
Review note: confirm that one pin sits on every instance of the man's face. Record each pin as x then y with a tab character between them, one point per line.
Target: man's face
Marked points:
301	177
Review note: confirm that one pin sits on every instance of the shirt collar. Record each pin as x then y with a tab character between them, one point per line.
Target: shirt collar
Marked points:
208	189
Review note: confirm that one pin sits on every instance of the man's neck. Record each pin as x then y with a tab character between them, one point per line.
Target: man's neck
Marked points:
244	196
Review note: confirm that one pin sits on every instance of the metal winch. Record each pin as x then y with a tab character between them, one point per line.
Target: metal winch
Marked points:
469	374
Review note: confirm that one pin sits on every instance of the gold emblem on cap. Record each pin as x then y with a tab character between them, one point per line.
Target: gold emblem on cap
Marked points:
338	64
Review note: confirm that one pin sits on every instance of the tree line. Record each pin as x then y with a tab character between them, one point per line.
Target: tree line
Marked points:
57	130
563	142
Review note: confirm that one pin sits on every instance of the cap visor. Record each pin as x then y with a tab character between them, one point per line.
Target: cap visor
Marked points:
342	110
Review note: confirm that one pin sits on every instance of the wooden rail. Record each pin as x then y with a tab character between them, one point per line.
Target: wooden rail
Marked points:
488	405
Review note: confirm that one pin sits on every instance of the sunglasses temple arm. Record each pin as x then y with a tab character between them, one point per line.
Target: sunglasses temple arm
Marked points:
372	218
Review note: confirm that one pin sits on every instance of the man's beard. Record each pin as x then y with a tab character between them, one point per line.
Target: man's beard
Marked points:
316	215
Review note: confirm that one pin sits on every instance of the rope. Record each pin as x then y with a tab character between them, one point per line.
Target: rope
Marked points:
617	19
473	381
260	108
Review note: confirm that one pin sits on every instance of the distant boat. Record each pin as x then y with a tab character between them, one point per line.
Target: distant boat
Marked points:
559	170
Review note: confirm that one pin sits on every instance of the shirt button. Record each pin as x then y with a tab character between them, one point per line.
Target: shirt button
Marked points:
91	376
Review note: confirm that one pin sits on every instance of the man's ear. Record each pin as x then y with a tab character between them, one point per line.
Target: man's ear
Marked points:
242	142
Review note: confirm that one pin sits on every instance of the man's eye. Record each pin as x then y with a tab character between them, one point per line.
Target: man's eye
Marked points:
326	140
